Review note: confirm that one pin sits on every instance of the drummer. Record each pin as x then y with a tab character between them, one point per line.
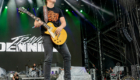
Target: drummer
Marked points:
34	68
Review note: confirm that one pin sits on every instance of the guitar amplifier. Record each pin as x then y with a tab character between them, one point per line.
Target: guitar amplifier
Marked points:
93	74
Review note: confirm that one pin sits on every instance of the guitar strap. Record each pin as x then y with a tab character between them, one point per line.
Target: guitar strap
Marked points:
45	12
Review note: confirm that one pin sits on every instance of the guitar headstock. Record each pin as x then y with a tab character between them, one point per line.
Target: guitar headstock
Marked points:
22	10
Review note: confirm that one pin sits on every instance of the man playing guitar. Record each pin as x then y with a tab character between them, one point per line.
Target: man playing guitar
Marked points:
54	15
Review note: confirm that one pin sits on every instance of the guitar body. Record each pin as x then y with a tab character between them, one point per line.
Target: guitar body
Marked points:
57	39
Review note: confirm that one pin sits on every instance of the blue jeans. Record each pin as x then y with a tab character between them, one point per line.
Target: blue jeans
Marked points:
63	50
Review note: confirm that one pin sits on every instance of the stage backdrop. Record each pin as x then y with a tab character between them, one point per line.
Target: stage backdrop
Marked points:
21	45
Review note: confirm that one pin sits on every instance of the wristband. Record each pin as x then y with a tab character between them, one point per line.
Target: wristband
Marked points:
34	27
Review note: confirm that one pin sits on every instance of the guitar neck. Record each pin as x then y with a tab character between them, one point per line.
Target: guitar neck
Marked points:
34	17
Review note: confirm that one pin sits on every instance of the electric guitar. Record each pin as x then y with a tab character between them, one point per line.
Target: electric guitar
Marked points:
50	29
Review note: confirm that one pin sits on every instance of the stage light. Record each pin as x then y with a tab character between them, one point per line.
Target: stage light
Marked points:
67	10
98	8
30	1
1	5
22	3
6	7
75	9
37	8
81	11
